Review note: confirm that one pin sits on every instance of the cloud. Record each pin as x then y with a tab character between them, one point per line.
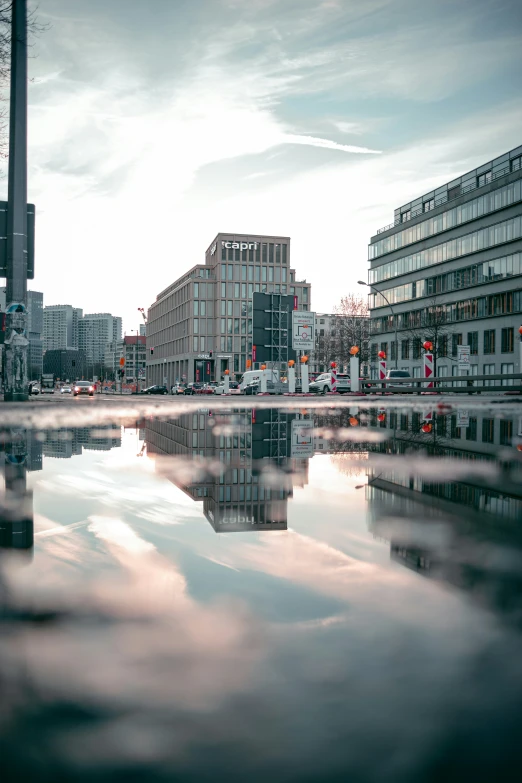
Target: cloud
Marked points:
292	138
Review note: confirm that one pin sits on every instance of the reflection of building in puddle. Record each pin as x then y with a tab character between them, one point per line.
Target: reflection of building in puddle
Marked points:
247	465
464	532
16	501
69	442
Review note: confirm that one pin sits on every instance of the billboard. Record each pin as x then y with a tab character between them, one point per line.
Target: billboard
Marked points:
303	331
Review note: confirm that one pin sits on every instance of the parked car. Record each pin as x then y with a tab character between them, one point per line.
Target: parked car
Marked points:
192	388
271	387
233	388
156	389
34	388
66	390
391	374
323	383
178	388
83	387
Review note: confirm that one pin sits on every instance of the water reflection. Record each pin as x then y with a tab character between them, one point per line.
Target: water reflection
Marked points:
20	452
65	443
263	454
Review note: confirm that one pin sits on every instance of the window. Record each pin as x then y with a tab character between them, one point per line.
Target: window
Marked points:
506	432
454	430
483	179
223	290
416	348
196	289
507	369
405	216
471	429
473	343
405	349
507	340
516	163
489	369
453	192
373	352
456	340
196	325
488	430
443	347
489	341
428	205
384	347
223	271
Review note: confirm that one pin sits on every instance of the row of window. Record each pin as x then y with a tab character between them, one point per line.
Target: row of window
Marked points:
258	274
413	347
483	205
242	290
448	427
506	303
475	274
256	252
481	239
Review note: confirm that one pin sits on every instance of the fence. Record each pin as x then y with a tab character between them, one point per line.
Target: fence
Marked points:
457	384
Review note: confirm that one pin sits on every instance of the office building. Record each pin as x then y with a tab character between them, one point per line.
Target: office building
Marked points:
449	270
132	349
96	330
66	365
206	314
35	328
60	327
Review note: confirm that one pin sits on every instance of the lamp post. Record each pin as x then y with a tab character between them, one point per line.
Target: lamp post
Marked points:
520	356
368	285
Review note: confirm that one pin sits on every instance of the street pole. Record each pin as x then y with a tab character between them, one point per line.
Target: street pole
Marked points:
368	285
16	342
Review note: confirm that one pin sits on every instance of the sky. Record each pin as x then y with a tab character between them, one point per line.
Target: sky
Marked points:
155	125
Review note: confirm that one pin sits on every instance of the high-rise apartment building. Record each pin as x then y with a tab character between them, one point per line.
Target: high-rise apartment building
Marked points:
95	331
60	327
206	314
451	266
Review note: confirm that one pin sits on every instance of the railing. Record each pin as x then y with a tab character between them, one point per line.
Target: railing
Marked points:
444	199
436	384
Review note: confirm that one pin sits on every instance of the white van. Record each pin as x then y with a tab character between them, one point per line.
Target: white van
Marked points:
255	375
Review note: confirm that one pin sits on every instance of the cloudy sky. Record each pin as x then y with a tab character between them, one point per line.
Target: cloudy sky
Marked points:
154	125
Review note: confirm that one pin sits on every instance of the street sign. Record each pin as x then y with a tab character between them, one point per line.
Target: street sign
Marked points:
463	357
462	418
302	443
122	361
141	372
303	331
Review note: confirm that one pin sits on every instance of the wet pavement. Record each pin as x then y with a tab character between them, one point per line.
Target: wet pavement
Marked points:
273	592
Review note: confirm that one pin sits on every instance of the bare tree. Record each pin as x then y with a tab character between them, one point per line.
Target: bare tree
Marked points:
431	324
352	328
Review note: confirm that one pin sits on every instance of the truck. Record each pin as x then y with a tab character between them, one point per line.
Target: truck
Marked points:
47	383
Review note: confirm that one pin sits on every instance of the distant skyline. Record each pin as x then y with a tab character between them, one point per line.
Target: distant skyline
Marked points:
154	126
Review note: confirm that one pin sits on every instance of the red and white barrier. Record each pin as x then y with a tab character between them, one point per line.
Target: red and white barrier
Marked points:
382	369
428	369
333	376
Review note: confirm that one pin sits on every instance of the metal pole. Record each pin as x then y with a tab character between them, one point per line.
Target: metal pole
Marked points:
369	285
16	342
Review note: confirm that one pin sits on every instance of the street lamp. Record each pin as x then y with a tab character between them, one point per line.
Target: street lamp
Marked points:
369	285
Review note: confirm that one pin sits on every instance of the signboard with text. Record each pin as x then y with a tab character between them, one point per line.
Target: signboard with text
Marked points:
303	331
463	357
302	444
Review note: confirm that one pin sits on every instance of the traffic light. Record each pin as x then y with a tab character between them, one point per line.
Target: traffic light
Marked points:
151	351
210	354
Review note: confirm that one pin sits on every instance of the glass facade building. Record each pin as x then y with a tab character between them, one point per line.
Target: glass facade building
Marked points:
201	325
452	257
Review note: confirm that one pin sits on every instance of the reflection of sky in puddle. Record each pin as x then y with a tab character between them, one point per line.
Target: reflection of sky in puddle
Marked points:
302	653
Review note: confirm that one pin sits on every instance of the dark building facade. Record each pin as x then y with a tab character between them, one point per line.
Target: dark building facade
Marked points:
453	259
66	365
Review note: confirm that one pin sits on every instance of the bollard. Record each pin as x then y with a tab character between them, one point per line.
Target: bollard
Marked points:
333	377
305	388
354	373
263	382
291	380
226	388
